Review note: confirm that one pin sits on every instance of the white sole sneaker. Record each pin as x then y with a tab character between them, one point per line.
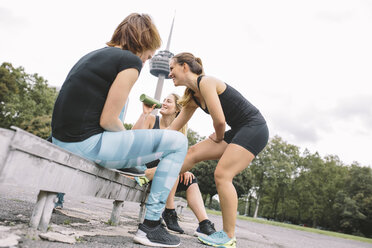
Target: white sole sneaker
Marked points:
141	238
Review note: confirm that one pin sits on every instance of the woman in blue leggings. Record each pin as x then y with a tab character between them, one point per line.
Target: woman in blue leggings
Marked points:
86	119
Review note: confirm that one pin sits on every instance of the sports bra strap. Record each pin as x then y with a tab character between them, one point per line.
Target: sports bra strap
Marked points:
157	123
198	81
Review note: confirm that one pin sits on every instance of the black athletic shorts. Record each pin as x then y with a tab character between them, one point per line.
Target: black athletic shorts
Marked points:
252	138
183	187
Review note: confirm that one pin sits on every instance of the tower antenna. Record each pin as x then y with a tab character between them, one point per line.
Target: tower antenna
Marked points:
159	64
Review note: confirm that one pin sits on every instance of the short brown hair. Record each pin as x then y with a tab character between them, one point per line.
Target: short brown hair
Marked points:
136	33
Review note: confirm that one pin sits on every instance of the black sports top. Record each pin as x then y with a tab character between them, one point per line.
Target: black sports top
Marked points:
238	111
157	123
79	105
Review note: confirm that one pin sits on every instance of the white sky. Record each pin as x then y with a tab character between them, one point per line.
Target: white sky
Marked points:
305	64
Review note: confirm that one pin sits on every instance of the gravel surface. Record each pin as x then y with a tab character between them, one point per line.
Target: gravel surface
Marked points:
84	223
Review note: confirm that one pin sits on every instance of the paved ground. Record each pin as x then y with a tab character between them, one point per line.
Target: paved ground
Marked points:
83	223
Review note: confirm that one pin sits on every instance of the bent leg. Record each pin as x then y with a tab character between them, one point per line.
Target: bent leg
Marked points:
166	175
195	202
170	201
136	147
233	161
204	150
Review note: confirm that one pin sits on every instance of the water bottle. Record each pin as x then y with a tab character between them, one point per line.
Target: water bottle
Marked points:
149	101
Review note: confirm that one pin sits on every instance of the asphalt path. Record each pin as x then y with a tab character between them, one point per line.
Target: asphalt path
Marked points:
83	223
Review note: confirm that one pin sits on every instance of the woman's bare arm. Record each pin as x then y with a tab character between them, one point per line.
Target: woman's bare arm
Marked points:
116	99
146	119
208	89
184	116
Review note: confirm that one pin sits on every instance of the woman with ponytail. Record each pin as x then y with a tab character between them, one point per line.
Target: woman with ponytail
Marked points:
235	148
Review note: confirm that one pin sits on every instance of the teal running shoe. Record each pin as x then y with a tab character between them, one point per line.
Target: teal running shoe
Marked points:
219	239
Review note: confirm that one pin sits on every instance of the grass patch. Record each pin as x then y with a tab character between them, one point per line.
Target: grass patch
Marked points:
215	212
67	222
296	227
110	223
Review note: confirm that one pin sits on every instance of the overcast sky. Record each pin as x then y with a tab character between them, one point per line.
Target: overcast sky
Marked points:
305	64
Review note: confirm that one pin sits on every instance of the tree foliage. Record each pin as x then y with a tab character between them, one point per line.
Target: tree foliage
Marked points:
26	100
311	190
193	137
204	172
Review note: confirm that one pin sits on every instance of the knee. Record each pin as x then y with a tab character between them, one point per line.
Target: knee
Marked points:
191	152
221	176
217	177
180	141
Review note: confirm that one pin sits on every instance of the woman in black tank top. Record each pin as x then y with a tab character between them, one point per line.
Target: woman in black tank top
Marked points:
186	181
235	148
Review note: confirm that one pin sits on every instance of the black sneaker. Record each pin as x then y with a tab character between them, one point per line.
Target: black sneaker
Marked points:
156	236
134	171
205	228
170	219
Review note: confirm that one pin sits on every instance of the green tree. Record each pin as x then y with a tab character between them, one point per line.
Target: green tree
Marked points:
354	205
128	126
26	100
273	170
316	188
204	171
280	171
259	167
349	213
193	137
243	182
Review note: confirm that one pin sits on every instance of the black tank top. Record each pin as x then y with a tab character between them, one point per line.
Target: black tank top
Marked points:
238	111
157	123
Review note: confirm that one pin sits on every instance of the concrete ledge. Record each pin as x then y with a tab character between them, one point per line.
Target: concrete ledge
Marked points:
29	161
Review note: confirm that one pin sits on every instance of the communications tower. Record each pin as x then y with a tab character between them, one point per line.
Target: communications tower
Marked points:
159	65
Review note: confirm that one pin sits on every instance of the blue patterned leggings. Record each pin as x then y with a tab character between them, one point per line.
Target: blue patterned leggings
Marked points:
133	148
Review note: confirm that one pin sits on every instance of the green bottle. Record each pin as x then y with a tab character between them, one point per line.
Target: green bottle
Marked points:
149	101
